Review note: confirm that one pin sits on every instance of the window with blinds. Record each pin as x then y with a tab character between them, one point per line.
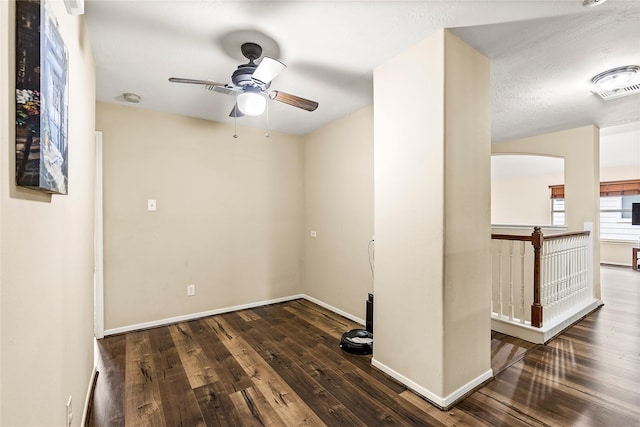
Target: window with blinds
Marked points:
616	198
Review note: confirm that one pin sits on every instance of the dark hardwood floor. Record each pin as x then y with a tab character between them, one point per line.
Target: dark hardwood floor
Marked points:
507	350
280	365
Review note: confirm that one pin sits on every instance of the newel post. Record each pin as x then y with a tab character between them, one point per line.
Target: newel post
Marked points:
536	307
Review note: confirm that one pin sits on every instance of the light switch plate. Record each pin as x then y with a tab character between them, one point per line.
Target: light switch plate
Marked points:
151	205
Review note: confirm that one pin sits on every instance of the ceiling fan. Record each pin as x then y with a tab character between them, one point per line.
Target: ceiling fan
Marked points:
250	84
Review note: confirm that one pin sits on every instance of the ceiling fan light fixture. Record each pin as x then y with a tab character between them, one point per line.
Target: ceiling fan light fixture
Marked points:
251	103
250	83
268	69
616	78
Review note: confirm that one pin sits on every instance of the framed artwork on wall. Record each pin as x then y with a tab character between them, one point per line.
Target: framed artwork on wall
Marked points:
41	100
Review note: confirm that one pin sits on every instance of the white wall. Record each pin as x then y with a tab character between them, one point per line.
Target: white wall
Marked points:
46	255
229	215
338	170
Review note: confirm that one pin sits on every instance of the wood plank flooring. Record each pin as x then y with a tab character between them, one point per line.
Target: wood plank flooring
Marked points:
280	365
507	350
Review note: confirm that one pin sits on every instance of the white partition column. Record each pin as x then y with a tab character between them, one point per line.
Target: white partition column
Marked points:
432	218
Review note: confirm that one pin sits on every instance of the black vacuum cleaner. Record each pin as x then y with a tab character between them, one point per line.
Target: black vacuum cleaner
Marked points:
360	341
357	341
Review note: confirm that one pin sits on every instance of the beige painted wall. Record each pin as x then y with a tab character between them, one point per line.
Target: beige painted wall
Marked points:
522	200
625	139
5	124
617	253
580	149
409	216
467	262
47	252
229	215
525	201
612	252
338	170
620	173
432	217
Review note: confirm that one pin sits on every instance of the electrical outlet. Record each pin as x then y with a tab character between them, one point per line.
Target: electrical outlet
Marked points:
69	411
313	233
191	290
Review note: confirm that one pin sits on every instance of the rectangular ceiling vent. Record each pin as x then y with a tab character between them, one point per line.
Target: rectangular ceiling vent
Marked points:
618	93
74	7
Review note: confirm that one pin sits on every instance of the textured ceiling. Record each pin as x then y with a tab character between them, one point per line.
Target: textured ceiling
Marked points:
543	54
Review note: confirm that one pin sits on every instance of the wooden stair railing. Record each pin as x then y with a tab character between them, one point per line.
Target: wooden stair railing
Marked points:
536	308
537	240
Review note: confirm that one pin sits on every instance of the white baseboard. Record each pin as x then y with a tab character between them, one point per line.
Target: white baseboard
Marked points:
515	329
334	309
467	388
549	329
439	401
442	402
555	327
87	399
616	264
193	316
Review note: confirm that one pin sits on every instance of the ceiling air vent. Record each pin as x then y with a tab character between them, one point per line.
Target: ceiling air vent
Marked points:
617	82
618	93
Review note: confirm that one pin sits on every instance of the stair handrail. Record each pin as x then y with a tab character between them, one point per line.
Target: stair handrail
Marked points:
537	239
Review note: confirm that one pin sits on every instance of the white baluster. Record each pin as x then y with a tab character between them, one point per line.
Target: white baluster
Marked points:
574	271
511	308
522	249
546	279
553	290
549	260
557	292
552	285
566	281
500	277
562	275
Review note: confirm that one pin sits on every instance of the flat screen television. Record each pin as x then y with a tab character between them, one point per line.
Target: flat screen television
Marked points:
635	213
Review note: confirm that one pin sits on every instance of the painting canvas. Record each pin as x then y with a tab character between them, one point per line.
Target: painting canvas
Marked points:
41	100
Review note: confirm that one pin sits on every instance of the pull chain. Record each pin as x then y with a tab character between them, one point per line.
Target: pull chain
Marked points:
235	118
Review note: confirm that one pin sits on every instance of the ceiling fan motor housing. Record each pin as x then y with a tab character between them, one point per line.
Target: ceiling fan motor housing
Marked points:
251	51
245	85
242	76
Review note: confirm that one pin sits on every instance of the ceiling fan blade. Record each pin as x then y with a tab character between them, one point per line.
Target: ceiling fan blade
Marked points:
293	100
224	89
195	82
267	70
236	112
